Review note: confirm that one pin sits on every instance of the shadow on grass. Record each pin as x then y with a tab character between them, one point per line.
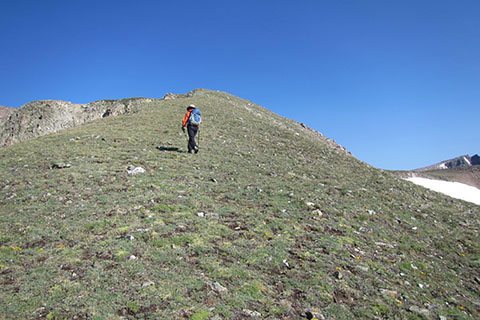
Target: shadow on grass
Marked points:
170	149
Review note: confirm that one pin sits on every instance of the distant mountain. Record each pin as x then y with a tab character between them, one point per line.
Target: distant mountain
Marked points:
464	169
458	162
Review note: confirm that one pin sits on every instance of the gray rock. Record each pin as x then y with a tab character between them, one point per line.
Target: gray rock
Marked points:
389	292
61	165
148	284
418	310
39	118
251	313
219	288
135	171
363	268
338	275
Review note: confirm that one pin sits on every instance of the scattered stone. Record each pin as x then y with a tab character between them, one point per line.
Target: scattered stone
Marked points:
310	204
363	268
442	318
251	313
286	264
132	257
338	275
389	292
181	228
135	171
382	244
130	237
212	215
312	316
219	288
61	165
418	310
201	214
11	196
371	212
477	280
148	284
317	212
285	303
213	180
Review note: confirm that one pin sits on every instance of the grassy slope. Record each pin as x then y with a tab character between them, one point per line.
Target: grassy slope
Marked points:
66	234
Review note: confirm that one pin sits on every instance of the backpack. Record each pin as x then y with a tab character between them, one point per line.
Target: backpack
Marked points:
195	117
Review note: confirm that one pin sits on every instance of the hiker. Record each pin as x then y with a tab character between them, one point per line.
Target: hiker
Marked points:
192	120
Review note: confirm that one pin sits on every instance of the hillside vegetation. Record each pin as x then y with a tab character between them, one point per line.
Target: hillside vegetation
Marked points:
270	220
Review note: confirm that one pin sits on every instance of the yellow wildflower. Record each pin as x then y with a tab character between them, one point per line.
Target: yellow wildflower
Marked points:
16	248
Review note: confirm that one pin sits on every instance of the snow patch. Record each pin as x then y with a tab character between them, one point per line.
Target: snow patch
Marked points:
453	189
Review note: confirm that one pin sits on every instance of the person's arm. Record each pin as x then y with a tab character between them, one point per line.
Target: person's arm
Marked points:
185	119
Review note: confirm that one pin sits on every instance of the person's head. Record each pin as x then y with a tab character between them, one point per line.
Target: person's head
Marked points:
191	107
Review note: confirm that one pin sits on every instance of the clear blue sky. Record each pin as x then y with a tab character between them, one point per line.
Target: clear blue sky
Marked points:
395	82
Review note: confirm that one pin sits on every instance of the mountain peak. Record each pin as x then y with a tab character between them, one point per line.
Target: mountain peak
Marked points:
464	161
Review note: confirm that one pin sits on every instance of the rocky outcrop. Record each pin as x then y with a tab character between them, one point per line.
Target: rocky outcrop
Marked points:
459	162
48	116
475	160
5	113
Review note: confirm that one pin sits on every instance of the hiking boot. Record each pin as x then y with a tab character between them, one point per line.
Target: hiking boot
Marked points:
196	149
191	151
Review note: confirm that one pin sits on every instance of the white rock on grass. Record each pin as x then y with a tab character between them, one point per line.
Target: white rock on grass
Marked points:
251	313
148	284
135	171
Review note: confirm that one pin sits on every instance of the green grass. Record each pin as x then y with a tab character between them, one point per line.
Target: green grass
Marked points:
67	235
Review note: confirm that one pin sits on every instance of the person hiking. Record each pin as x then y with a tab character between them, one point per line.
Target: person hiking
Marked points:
192	120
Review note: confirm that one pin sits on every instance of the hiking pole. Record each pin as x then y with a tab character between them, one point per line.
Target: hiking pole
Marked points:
198	144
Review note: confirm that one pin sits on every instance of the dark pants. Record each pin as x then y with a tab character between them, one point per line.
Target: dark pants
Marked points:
192	132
